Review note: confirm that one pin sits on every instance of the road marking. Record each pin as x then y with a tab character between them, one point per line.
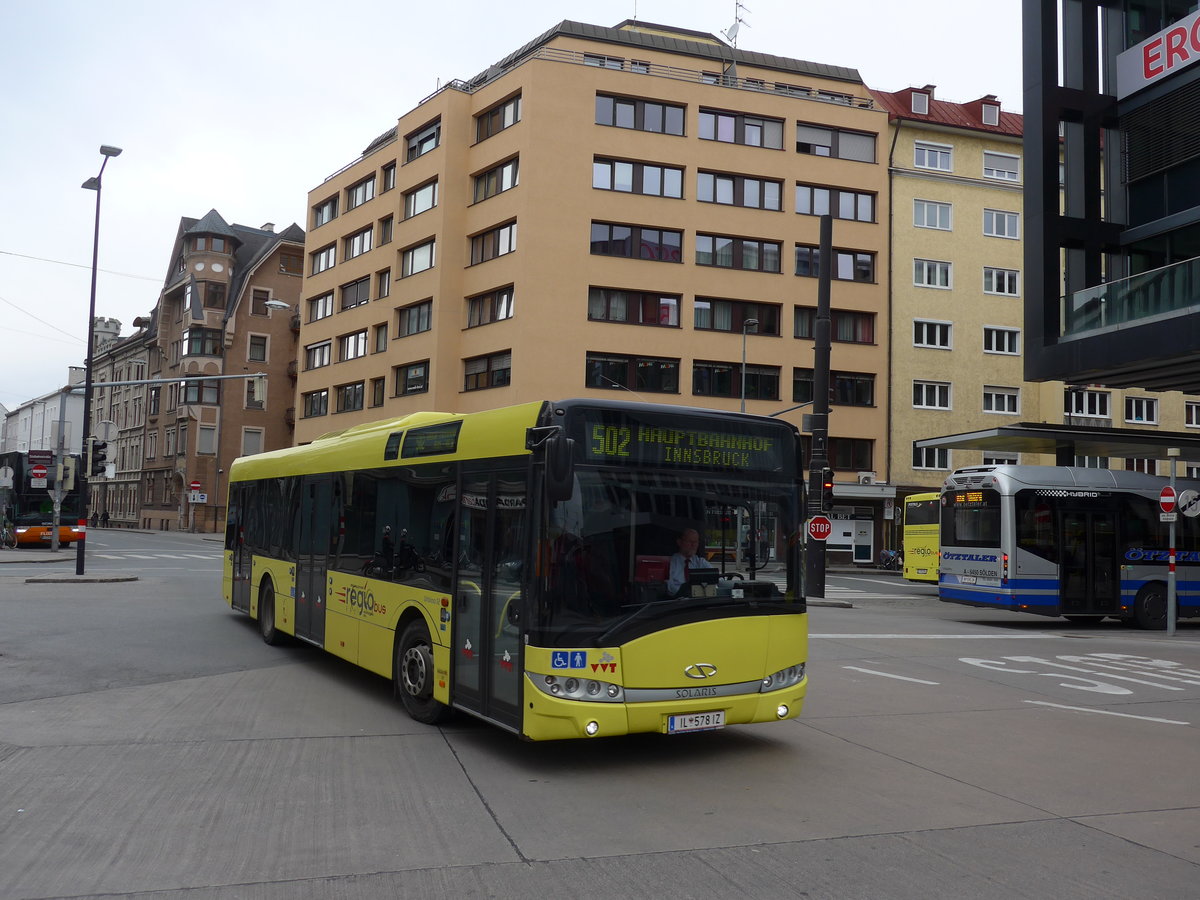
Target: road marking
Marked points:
1105	712
889	582
939	637
886	675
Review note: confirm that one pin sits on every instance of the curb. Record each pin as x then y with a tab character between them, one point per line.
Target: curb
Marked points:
79	579
821	601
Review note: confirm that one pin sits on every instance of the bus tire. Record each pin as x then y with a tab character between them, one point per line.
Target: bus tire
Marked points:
413	676
1150	607
266	614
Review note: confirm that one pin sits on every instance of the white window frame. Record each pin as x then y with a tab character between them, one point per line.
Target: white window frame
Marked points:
1002	340
927	273
1010	396
1148	408
423	255
1002	223
930	156
939	329
938	390
991	114
1191	414
359	243
246	450
1088	404
997	172
325	258
940	210
1001	459
420	199
320	307
996	275
920	103
941	464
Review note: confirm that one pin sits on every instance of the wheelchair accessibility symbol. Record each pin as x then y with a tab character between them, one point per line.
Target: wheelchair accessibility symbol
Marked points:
568	659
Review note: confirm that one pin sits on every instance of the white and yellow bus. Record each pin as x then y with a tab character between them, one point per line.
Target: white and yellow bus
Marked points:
513	563
922	521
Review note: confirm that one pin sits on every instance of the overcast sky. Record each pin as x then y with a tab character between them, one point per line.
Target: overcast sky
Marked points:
245	105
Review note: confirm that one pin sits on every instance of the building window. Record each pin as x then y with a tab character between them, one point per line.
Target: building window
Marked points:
849	265
633	307
636	242
316	403
739	190
202	342
317	355
490	307
816	200
199	390
845	388
156	398
846	326
379	341
325	212
604	62
816	140
1095	404
385	230
1001	459
496	119
358	244
257	349
417	259
1141	464
497	180
352	346
324	259
389	178
920	103
1002	340
356	293
383	283
420	199
738	253
495	242
931	395
360	193
730	315
637	178
214	294
724	379
423	140
997	223
253	400
640	115
930	457
1001	400
414	319
851	453
991	114
736	128
377	389
635	373
932	334
320	307
933	156
931	273
258	302
928	214
1001	281
349	397
487	371
1141	410
1001	165
1191	414
412	378
1093	462
252	441
291	263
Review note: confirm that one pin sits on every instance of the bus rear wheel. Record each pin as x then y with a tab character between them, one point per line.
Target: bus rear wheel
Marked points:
266	614
413	677
1150	607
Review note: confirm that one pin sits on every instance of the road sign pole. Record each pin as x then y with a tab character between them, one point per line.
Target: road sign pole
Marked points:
1172	596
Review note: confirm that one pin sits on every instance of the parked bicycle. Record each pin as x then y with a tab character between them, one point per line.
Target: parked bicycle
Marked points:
8	537
891	560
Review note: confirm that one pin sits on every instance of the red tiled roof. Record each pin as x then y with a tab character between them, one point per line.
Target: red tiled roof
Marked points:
954	115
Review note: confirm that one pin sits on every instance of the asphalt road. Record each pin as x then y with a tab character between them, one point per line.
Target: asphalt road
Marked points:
152	746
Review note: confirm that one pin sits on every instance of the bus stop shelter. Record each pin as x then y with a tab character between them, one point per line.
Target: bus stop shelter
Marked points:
1065	442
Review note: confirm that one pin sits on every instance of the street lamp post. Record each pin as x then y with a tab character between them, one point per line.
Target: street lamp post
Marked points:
746	325
83	476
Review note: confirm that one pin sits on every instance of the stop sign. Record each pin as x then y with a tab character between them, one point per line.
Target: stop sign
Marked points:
1166	499
38	472
819	528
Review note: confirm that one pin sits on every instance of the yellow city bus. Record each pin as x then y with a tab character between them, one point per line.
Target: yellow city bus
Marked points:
516	563
922	518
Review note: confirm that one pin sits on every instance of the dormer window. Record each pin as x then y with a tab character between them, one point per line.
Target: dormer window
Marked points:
991	114
920	103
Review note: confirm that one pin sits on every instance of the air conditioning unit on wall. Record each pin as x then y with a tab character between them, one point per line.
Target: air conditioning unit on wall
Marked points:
866	477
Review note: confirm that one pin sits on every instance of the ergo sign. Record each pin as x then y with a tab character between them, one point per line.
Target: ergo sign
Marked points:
1172	49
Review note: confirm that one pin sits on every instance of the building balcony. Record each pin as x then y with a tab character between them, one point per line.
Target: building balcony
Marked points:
289	416
1160	293
293	369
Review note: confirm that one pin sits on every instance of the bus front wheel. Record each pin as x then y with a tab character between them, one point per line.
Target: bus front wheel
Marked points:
266	614
414	674
1150	607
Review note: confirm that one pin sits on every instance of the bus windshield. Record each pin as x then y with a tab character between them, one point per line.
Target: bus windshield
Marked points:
971	518
606	571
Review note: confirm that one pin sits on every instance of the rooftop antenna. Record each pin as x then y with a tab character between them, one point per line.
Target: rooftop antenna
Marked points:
731	32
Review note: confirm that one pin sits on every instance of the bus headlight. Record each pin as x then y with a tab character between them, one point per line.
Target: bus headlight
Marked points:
784	678
579	688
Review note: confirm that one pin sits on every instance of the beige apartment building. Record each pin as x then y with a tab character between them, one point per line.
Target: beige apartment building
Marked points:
119	420
606	212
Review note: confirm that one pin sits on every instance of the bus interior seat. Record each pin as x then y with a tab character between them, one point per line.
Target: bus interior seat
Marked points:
651	568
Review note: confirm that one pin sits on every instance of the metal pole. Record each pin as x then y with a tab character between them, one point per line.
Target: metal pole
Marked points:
1172	596
59	465
814	557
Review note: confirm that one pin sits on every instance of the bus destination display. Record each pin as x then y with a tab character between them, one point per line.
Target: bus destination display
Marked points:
967	499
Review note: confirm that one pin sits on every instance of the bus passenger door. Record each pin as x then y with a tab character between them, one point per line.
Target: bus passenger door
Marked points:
487	598
1090	568
316	539
235	543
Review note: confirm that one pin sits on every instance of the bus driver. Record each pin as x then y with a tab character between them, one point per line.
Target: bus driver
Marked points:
685	561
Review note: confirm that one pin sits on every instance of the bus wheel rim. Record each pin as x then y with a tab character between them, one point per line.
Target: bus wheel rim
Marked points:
415	670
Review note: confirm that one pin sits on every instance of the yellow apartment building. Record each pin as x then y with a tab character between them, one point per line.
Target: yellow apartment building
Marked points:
611	210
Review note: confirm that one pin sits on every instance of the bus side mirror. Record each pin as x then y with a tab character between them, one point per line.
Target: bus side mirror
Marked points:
560	468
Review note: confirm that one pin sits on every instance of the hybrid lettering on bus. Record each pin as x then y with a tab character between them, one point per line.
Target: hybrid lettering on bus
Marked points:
922	522
513	563
1061	541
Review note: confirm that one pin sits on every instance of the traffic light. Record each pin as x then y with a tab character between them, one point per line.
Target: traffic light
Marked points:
99	458
68	466
826	489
